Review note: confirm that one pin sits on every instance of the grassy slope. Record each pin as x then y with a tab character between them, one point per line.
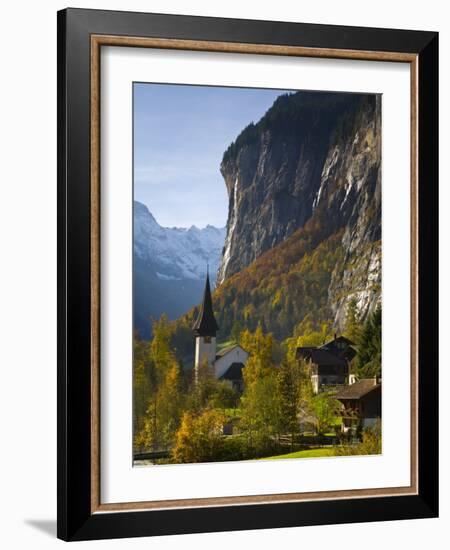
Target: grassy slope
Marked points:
310	453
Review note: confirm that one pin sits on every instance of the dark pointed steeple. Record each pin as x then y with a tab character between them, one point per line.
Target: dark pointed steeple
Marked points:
206	324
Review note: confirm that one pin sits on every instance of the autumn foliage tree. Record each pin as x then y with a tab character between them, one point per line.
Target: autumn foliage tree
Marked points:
199	438
260	403
165	399
142	370
260	348
310	337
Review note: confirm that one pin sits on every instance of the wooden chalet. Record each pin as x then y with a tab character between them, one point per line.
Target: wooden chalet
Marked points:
329	363
361	404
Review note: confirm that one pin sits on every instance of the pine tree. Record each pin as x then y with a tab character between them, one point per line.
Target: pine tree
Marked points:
289	378
236	330
369	346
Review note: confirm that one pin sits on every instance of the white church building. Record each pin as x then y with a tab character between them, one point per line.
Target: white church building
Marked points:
228	362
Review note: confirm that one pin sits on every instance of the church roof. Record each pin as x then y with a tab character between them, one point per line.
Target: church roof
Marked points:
206	324
341	346
226	350
336	339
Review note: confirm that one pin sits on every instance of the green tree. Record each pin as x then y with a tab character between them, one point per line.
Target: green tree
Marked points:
208	392
289	386
143	376
260	403
261	420
204	386
306	394
352	323
368	360
170	404
224	396
162	417
326	409
161	352
236	330
141	394
370	445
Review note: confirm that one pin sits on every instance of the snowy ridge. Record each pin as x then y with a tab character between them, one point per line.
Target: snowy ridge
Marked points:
176	253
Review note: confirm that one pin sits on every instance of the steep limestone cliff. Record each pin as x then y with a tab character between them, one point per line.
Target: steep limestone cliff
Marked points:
314	159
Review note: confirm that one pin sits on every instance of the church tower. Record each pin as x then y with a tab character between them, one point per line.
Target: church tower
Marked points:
205	328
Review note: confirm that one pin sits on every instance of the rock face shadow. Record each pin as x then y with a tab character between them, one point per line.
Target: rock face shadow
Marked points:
47	526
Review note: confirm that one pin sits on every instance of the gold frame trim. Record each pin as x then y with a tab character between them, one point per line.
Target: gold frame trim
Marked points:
97	41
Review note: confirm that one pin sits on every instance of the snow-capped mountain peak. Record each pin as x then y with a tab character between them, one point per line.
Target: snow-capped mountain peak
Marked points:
173	252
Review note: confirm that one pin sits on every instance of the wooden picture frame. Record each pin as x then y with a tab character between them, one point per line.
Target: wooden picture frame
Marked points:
81	35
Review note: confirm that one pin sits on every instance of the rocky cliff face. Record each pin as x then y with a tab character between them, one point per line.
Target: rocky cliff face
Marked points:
313	158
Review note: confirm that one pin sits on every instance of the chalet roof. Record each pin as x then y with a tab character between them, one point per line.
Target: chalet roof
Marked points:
338	339
358	389
334	346
330	353
206	324
321	356
234	372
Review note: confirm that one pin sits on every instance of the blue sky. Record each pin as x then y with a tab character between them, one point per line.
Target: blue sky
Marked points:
180	135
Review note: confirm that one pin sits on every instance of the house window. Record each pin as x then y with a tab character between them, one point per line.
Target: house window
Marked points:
207	339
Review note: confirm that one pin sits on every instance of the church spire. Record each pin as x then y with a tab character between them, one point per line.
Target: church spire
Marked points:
206	324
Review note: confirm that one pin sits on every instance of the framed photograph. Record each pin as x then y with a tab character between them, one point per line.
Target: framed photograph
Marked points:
247	274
